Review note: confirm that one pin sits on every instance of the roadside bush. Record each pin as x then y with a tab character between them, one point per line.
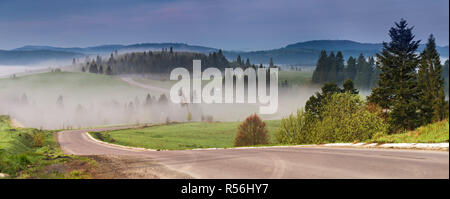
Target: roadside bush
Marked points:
296	129
346	118
252	132
103	136
38	138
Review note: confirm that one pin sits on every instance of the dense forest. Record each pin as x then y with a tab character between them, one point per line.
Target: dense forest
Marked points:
364	72
331	68
160	62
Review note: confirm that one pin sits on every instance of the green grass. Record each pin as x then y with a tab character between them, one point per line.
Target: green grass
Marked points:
432	133
181	136
68	84
295	77
21	158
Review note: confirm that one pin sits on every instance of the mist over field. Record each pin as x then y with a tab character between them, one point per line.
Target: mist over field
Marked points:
58	100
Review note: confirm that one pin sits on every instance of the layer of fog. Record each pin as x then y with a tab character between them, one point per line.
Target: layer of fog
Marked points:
58	107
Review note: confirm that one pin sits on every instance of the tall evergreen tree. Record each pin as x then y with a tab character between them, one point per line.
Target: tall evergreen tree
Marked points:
340	67
271	63
351	68
375	74
445	77
363	72
320	70
397	89
432	96
331	69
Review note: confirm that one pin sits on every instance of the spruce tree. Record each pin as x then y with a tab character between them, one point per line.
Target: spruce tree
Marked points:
340	67
331	69
432	95
397	89
445	77
364	72
320	70
351	68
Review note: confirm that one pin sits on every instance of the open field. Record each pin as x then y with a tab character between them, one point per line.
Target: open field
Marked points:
66	83
181	136
432	133
299	78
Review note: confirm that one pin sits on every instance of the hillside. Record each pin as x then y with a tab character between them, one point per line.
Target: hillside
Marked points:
25	57
301	53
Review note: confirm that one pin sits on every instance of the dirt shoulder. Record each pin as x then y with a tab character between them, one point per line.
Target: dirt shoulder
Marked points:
113	167
136	167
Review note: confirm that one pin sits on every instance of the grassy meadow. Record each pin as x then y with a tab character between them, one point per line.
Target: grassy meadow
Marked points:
66	83
181	135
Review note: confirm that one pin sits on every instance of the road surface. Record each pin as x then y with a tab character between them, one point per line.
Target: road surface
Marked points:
281	162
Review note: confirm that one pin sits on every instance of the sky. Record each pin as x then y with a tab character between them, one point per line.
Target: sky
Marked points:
225	24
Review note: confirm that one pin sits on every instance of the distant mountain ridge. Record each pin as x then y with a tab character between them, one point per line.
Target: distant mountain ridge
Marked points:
35	56
102	49
301	53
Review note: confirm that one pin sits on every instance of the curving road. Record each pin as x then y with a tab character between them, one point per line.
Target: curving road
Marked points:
276	162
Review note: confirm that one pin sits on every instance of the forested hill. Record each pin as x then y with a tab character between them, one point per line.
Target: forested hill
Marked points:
307	53
159	62
301	53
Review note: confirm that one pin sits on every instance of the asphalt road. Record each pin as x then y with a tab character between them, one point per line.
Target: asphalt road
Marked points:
278	162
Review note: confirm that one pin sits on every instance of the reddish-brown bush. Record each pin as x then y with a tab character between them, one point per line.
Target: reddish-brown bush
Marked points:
252	132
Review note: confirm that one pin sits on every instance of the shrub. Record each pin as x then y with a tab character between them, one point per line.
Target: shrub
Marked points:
296	129
38	138
252	132
346	118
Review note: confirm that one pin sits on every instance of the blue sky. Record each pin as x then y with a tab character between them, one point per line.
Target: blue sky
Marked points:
231	24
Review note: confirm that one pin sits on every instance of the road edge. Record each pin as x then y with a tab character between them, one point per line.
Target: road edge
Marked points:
413	146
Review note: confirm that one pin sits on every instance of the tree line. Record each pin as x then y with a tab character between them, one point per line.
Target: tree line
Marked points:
410	88
158	62
332	68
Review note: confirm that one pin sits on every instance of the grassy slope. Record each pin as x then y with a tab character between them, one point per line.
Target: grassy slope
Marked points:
295	77
66	81
181	136
431	133
21	159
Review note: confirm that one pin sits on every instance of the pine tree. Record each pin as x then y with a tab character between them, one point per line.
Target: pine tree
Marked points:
239	61
100	70
340	67
320	70
108	70
331	69
349	87
432	98
374	78
445	77
351	68
397	89
363	74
